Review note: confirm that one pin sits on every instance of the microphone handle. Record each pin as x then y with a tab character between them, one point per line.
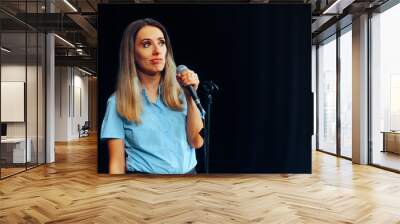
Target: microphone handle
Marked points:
196	100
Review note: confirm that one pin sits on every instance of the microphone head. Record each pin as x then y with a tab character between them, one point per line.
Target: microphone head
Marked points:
181	68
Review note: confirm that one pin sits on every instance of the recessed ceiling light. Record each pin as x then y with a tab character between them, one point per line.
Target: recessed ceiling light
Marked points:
84	71
65	41
70	5
5	50
337	7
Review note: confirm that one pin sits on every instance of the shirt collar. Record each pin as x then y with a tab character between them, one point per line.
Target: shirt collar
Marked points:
144	93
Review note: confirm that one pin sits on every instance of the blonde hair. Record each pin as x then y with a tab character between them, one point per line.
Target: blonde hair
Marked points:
128	96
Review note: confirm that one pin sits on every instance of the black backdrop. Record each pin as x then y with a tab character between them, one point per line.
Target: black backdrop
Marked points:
260	57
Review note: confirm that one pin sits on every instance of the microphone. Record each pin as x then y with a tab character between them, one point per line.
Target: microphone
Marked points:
193	94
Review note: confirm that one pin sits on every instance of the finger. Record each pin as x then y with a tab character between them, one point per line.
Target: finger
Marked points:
189	82
183	79
186	73
192	76
189	77
194	82
195	76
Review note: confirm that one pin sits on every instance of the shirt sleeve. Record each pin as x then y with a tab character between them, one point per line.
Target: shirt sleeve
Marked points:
113	125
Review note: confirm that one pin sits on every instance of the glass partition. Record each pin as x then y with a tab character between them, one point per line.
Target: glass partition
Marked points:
14	153
22	64
327	95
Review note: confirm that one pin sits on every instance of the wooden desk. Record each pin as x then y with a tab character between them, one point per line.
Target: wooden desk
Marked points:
391	141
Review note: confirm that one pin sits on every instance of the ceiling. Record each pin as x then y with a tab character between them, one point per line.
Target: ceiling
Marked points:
75	21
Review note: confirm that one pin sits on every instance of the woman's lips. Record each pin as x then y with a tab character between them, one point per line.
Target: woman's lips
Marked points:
156	61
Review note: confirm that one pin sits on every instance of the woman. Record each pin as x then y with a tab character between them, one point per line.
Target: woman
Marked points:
151	124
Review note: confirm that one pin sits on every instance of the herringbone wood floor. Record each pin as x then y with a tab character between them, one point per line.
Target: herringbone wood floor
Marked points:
70	191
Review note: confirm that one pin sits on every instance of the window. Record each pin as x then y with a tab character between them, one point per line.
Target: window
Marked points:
327	95
346	93
385	88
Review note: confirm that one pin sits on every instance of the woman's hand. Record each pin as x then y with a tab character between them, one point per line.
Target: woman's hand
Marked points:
194	124
187	78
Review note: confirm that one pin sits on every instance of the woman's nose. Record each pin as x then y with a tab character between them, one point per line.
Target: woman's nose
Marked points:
156	50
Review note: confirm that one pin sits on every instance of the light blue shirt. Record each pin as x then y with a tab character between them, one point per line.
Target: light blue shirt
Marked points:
157	145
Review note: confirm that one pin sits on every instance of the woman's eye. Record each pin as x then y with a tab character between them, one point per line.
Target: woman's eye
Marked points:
162	43
146	44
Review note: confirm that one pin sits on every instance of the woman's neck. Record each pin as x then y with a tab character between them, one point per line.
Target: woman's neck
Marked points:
150	82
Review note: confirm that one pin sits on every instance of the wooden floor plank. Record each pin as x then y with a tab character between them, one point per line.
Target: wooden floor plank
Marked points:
71	191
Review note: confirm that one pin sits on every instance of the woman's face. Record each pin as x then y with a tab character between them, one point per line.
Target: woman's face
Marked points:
150	50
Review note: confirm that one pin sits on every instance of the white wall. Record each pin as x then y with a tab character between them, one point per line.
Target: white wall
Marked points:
62	81
71	94
80	109
14	72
